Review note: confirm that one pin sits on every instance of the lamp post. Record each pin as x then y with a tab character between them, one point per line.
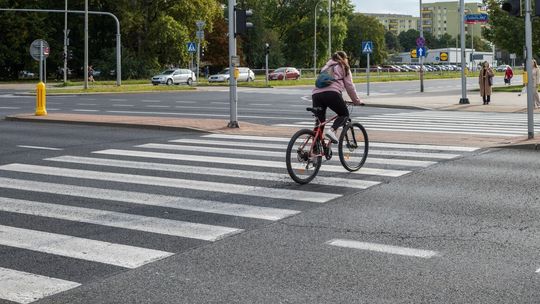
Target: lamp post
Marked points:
65	42
421	57
85	69
464	99
329	28
315	41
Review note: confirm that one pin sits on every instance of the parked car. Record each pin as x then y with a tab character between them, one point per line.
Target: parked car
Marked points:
501	68
375	68
174	76
390	68
26	75
290	73
246	74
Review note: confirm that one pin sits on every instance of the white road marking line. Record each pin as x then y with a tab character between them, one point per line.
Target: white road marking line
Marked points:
261	104
243	161
370	160
10	108
284	146
118	220
88	99
120	99
219	102
54	103
185	101
23	287
84	110
40	148
87	104
79	248
308	196
256	175
54	109
157	106
122	105
150	100
374	144
423	129
426	254
538	270
175	202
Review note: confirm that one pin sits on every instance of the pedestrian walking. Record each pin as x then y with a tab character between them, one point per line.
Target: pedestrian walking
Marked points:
508	74
485	79
91	73
536	79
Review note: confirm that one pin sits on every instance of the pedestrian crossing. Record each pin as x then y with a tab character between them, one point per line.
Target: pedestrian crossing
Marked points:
125	207
450	122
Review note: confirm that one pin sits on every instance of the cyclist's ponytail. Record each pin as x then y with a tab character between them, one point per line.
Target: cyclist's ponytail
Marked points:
341	58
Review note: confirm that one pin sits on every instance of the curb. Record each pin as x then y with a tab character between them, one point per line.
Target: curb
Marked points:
107	124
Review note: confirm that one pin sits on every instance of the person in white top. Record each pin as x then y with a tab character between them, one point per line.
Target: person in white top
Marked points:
331	96
536	80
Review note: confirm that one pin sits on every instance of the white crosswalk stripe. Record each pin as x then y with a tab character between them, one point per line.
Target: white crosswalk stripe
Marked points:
23	287
242	179
475	123
79	248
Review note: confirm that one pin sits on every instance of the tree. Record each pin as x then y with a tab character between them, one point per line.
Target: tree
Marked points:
363	28
407	39
392	42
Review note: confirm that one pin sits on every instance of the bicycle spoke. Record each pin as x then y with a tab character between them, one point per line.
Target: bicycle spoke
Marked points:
353	147
303	159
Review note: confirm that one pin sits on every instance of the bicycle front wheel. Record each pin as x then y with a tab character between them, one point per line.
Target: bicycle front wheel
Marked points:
303	160
353	146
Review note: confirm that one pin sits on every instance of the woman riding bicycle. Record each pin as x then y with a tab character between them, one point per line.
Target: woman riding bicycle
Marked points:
330	96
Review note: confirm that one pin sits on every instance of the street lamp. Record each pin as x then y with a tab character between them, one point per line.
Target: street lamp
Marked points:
315	41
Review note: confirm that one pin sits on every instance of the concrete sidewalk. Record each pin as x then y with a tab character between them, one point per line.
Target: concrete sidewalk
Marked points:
501	102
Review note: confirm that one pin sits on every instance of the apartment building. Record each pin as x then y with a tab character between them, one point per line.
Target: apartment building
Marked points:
397	23
441	18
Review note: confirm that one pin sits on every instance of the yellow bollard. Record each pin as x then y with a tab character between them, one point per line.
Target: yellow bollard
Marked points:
41	100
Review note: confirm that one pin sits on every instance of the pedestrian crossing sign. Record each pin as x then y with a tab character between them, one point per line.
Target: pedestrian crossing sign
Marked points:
191	47
367	47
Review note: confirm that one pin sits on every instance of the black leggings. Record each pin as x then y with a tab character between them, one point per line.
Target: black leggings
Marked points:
335	102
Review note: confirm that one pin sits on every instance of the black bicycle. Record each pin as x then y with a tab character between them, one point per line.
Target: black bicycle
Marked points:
307	148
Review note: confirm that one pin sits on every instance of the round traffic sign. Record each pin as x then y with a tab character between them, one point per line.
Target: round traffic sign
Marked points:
420	42
38	48
413	53
444	56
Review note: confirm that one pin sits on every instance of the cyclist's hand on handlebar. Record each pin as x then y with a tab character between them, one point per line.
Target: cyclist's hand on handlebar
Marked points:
359	103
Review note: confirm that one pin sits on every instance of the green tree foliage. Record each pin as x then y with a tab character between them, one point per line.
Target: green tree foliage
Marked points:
392	42
407	39
363	28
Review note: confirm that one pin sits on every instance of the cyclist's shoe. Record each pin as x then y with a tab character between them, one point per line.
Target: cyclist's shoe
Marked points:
331	135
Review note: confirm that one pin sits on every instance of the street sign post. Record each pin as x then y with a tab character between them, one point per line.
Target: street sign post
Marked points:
40	50
367	48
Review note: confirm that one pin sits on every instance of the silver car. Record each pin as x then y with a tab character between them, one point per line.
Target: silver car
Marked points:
174	76
246	74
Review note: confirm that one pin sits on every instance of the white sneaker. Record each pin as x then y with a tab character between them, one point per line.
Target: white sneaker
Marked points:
331	135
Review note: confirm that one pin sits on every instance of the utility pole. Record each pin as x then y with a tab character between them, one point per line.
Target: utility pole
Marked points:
85	68
233	95
65	42
421	57
464	99
329	28
531	86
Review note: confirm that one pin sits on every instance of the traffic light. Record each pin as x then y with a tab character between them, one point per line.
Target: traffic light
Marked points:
513	7
267	50
70	54
241	21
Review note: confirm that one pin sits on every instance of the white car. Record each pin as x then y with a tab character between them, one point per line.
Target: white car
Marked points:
174	76
246	74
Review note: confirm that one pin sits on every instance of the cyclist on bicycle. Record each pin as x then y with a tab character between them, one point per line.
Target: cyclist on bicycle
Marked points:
330	96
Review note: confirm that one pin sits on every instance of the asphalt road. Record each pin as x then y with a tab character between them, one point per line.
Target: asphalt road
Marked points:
418	224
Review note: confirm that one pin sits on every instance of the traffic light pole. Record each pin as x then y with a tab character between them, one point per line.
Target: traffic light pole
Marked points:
531	85
233	95
65	42
464	99
421	55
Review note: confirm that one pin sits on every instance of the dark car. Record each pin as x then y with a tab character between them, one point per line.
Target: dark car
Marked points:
285	73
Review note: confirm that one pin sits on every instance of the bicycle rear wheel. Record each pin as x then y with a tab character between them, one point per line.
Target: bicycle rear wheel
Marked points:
353	146
303	160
